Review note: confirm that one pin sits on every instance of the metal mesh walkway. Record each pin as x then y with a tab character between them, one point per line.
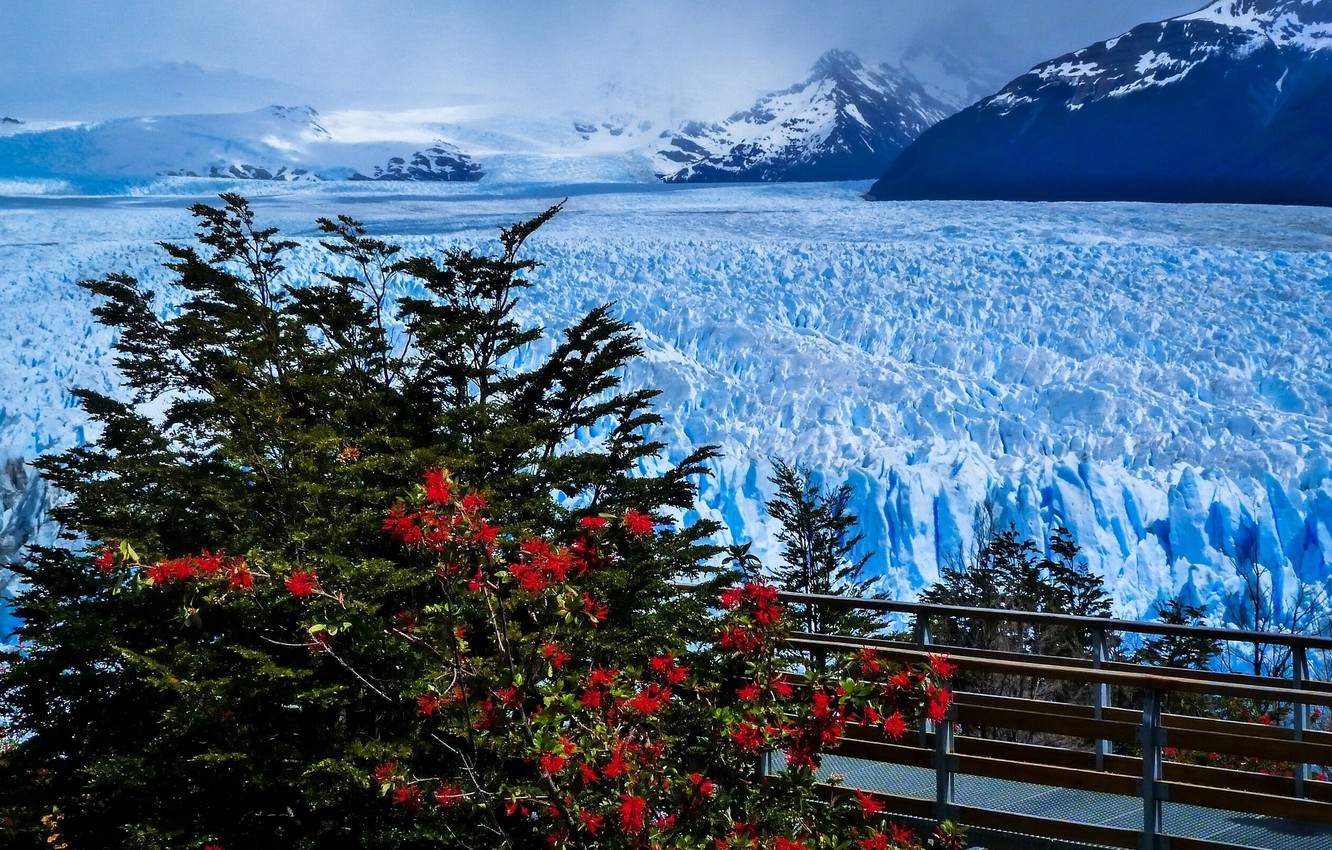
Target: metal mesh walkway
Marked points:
1091	807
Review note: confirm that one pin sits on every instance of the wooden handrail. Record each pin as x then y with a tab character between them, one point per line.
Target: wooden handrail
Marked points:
1162	682
1106	623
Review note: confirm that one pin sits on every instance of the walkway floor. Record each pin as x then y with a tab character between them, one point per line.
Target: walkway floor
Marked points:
1092	807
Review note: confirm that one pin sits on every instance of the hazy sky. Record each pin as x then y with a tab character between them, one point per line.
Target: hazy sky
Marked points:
702	53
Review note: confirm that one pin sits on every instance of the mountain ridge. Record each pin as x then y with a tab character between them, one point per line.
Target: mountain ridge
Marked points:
1193	108
845	121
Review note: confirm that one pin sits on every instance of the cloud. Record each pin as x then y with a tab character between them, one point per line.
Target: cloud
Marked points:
701	56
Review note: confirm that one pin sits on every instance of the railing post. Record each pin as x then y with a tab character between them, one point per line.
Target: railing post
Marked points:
1300	673
1150	737
923	639
1100	692
943	769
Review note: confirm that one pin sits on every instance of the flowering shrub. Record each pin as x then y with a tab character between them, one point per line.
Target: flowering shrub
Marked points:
535	725
1266	714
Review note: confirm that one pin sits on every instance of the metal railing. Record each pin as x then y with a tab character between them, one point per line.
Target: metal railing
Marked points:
1097	768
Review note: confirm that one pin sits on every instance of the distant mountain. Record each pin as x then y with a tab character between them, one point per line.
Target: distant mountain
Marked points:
1227	104
277	143
961	58
160	88
440	163
846	121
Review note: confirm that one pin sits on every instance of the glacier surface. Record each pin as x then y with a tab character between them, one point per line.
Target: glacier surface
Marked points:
1157	378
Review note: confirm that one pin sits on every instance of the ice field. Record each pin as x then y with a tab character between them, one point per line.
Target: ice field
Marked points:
1157	378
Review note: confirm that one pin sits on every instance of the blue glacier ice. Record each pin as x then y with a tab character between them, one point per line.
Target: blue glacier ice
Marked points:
1156	378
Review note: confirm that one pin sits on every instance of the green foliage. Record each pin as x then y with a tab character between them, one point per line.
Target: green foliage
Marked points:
1190	652
277	417
818	536
1011	573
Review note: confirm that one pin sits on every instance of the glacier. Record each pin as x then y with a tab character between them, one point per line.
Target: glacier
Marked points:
1157	378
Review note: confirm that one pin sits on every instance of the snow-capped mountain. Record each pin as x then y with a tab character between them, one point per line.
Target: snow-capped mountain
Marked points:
961	58
846	121
157	88
1227	104
276	143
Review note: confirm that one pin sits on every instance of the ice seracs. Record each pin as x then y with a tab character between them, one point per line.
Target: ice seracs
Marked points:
1152	377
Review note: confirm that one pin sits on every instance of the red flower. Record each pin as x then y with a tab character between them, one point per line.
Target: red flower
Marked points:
449	795
616	766
902	835
749	693
558	657
593	523
473	502
106	561
590	698
748	736
594	609
649	700
788	844
485	533
588	773
737	638
868	805
633	812
731	597
942	666
592	823
637	524
937	701
239	577
665	665
552	764
384	773
438	488
408	796
303	583
821	703
875	841
428	704
402	525
705	785
895	726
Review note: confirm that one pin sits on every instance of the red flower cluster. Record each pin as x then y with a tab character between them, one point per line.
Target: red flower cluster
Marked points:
443	519
633	813
206	565
543	565
666	665
637	524
303	583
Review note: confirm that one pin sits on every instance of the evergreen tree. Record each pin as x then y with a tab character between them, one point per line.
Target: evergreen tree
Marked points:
819	539
276	418
1186	651
1190	652
1011	573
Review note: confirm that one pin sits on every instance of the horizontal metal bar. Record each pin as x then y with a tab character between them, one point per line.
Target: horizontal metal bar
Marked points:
1108	623
1162	681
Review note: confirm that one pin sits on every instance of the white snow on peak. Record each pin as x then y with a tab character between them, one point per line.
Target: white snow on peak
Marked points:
1162	53
1300	23
798	124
